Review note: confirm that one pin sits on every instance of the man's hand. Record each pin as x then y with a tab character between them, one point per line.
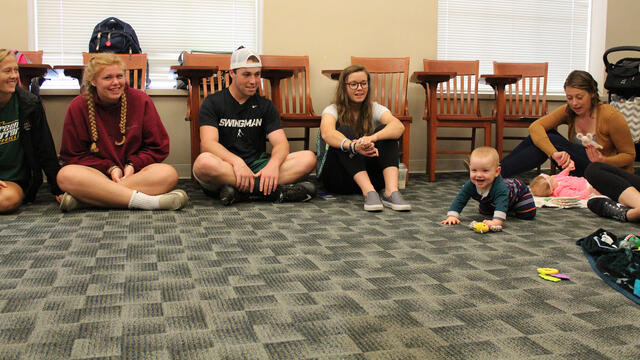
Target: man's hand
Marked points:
3	184
594	154
244	176
269	178
116	174
451	220
562	158
59	198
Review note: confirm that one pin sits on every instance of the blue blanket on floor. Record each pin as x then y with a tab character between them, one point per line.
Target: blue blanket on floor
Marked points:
617	266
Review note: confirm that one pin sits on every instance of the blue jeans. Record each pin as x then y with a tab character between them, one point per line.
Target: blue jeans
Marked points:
527	156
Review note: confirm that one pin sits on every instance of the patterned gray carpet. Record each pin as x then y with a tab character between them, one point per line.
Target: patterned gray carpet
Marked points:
319	280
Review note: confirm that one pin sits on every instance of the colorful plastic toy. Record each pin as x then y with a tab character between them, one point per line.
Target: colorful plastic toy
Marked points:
561	276
549	277
630	242
551	274
479	227
548	271
482	228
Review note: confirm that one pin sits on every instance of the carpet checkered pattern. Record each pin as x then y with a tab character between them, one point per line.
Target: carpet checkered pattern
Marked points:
317	280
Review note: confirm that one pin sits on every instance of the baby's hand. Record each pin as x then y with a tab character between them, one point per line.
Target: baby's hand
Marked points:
451	220
494	222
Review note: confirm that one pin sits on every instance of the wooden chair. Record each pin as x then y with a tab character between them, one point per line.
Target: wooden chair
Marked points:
458	107
389	79
218	81
33	70
34	56
526	100
136	66
296	108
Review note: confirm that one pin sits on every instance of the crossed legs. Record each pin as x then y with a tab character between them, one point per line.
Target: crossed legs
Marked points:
10	197
93	187
214	172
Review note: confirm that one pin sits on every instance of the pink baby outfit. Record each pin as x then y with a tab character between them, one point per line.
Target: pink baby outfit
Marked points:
570	186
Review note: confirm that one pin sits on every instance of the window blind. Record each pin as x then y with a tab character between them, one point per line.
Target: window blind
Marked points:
164	29
553	31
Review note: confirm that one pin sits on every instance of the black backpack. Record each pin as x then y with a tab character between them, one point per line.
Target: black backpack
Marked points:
114	35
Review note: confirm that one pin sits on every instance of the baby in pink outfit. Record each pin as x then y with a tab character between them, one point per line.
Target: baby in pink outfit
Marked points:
561	185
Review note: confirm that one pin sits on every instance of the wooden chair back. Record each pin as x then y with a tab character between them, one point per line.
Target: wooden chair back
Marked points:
295	91
527	98
136	65
34	56
389	79
456	106
218	81
458	96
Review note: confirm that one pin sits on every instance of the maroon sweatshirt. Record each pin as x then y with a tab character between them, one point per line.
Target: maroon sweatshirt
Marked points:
147	141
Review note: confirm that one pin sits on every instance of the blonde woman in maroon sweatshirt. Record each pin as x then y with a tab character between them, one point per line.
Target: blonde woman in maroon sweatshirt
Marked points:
113	143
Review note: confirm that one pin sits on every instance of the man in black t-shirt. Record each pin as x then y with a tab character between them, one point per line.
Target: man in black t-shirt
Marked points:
234	124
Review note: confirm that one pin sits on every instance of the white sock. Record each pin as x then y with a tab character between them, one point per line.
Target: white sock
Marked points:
143	201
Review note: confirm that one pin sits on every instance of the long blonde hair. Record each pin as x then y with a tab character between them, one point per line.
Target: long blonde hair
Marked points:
362	125
4	53
94	67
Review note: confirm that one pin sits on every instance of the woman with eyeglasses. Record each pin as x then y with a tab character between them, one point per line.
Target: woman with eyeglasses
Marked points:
358	145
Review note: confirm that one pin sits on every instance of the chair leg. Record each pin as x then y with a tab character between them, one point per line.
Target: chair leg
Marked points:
306	138
487	135
473	138
405	143
431	150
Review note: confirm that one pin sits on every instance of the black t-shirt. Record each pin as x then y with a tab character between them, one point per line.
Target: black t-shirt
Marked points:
242	128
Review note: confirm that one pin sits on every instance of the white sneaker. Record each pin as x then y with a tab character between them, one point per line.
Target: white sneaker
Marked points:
174	200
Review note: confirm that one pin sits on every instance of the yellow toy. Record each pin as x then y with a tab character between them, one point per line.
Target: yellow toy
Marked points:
482	228
479	227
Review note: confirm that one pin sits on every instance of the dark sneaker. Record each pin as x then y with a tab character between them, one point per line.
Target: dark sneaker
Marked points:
298	192
395	201
230	195
605	207
372	202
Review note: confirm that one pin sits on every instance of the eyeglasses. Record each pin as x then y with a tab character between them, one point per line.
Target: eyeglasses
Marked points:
354	85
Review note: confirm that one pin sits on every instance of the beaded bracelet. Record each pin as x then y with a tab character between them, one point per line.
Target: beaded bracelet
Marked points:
341	145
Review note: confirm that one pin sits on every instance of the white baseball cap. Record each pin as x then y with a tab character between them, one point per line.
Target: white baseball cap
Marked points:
241	55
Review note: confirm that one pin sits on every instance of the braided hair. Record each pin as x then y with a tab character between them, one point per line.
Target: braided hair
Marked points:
93	68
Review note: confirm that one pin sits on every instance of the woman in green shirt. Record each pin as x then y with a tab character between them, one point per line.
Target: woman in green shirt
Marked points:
26	145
